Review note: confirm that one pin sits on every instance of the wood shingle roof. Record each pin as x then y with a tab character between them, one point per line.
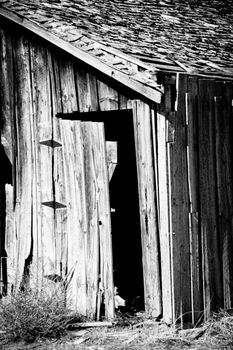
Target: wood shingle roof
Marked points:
140	37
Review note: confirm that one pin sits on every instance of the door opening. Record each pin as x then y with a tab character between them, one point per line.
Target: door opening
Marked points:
126	233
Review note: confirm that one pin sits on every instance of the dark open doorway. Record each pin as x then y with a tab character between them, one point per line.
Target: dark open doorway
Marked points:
125	218
126	233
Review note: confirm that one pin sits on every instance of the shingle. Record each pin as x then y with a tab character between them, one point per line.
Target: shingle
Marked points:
186	31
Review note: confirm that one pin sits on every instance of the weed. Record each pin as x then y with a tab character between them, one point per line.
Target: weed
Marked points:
31	314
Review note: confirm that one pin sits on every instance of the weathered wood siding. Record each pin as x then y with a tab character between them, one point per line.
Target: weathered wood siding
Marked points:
55	218
196	161
57	204
59	217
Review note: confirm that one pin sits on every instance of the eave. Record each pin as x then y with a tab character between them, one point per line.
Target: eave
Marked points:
115	74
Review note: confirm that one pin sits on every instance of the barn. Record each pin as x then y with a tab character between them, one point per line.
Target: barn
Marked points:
116	152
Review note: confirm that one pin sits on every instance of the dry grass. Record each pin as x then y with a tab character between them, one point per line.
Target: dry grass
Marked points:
130	333
216	333
219	332
29	315
39	310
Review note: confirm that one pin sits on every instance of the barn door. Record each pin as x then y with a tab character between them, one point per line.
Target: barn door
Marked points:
89	246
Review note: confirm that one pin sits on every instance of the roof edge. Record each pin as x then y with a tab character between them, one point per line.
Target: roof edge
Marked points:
144	90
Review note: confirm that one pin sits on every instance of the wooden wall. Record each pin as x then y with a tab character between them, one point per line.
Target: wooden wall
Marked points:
184	171
48	207
52	208
195	151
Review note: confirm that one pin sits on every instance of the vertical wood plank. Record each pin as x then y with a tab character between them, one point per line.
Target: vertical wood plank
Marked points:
147	200
106	259
223	129
212	289
164	220
92	236
60	216
108	97
43	233
7	141
76	290
87	90
193	181
68	87
23	115
6	92
180	208
123	101
72	147
10	238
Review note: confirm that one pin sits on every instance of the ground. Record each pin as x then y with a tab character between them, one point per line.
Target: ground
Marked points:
146	335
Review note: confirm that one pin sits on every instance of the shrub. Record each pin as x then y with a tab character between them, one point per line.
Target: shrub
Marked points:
33	313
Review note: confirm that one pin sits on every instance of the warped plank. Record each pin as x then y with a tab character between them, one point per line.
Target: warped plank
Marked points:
147	200
23	160
73	162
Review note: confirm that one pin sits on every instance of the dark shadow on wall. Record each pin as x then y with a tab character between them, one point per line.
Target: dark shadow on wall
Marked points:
5	178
